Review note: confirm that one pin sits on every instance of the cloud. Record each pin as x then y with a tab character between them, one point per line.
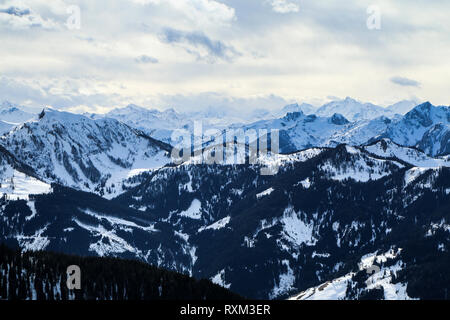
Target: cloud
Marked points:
17	17
88	95
405	82
61	93
284	6
144	59
198	44
218	101
324	49
203	13
16	11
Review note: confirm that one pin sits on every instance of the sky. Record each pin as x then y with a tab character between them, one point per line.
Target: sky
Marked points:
95	55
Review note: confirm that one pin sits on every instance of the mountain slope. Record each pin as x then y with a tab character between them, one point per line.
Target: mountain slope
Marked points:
75	222
266	236
91	155
297	131
426	127
304	108
351	109
360	132
411	272
402	107
17	180
157	124
260	236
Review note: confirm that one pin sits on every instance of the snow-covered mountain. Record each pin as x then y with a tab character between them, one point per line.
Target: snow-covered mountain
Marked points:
297	223
12	113
388	149
91	155
5	127
355	110
17	180
161	124
359	132
297	130
260	236
302	126
351	109
157	124
426	127
304	107
103	185
402	107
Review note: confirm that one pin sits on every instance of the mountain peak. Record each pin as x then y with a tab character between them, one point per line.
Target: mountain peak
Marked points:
421	114
294	115
425	106
54	115
7	104
339	119
349	99
306	108
8	107
402	107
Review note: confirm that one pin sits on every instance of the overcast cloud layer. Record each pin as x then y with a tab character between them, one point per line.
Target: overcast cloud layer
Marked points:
191	54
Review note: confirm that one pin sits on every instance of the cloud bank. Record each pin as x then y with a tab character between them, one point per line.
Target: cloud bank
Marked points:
161	53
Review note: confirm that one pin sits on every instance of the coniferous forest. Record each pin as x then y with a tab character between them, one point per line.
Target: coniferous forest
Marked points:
42	276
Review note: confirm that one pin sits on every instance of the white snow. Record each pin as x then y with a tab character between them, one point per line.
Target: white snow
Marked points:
109	242
295	230
320	255
305	183
332	290
336	289
19	186
222	223
359	169
219	279
33	210
35	242
85	151
412	174
194	211
388	149
265	193
121	223
285	282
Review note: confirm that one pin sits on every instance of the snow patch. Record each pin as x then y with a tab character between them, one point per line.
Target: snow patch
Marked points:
194	211
295	230
217	225
265	193
19	186
219	279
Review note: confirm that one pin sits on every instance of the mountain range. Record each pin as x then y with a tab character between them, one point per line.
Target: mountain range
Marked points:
358	186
